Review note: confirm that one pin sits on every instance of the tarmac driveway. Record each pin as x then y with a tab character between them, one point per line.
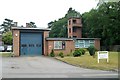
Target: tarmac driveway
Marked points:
45	67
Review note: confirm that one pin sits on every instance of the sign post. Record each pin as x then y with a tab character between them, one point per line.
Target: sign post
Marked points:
103	55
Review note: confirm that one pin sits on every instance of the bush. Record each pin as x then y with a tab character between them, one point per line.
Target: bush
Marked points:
82	50
77	53
61	55
91	50
52	53
7	38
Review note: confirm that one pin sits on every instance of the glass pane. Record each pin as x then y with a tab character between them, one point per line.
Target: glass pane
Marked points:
81	45
92	44
80	41
60	44
55	47
76	44
91	41
87	44
57	44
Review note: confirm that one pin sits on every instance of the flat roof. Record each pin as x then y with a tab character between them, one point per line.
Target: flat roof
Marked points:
25	28
71	38
85	38
59	39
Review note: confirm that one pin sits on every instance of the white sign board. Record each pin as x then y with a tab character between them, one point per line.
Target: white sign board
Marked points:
102	55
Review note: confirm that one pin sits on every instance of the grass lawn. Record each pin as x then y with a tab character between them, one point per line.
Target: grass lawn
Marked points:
88	61
6	54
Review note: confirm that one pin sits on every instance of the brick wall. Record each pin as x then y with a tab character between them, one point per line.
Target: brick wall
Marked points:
70	33
69	47
97	44
45	44
78	32
16	35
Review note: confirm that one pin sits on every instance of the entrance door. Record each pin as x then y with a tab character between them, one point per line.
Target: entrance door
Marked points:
31	43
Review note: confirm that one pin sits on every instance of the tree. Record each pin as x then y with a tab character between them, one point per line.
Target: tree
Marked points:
6	25
7	38
50	24
100	2
103	22
33	25
72	13
58	28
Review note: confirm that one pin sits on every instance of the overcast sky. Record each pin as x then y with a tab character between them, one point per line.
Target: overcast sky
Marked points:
41	11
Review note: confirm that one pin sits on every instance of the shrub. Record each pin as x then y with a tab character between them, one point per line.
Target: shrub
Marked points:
82	50
52	53
61	55
7	38
77	53
91	50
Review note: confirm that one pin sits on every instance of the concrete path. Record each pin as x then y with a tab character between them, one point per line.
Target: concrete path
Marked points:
45	67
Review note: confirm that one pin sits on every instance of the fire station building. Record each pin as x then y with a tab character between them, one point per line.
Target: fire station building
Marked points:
36	41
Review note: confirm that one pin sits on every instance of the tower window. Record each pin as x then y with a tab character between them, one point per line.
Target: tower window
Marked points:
74	21
74	36
74	29
69	30
69	22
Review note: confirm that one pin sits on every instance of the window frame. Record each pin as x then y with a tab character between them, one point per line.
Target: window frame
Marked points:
83	42
59	45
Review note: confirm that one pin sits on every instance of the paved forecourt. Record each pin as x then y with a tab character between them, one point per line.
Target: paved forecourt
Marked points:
46	67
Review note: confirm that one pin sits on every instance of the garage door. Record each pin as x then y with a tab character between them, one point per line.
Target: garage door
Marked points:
31	43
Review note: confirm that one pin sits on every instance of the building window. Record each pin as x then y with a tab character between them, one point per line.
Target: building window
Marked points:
76	44
74	29
69	22
69	30
59	44
74	36
83	43
74	21
91	42
86	43
70	37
